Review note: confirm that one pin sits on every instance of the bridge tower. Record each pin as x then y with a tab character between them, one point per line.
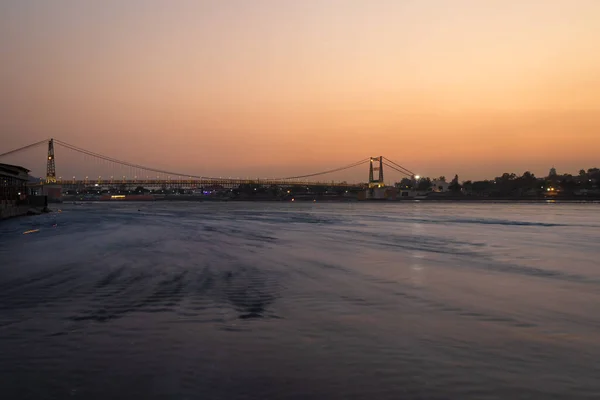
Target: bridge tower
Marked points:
50	165
376	183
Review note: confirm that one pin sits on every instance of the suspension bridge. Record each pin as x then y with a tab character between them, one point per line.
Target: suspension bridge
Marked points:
109	171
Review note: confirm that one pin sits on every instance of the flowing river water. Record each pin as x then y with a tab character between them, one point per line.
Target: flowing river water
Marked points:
412	300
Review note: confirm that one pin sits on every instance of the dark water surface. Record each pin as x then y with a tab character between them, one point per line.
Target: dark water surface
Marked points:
302	301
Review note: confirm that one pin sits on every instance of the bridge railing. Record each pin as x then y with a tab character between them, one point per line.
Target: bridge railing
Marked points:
194	182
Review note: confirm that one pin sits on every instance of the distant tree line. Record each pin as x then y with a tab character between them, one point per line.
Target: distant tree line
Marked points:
511	184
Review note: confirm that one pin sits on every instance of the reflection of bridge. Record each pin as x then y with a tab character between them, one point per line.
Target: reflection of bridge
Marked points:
133	175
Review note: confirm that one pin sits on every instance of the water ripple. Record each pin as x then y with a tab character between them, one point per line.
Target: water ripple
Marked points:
324	301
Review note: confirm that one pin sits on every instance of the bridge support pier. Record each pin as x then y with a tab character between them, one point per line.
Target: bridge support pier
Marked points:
51	165
376	183
53	192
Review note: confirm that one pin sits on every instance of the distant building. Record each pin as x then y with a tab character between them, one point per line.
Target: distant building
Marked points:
13	189
552	173
439	186
13	182
407	193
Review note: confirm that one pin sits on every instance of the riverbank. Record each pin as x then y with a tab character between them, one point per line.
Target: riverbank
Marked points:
448	197
12	210
20	211
34	205
332	199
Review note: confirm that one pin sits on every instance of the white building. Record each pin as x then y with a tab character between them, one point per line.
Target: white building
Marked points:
439	186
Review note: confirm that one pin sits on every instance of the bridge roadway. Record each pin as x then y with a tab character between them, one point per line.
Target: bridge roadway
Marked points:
195	183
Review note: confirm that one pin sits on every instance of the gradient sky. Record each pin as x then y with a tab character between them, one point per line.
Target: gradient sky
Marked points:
277	87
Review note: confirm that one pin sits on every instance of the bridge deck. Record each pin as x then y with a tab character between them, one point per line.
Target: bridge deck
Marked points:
197	183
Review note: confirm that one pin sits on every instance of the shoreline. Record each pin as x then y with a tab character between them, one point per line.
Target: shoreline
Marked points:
321	200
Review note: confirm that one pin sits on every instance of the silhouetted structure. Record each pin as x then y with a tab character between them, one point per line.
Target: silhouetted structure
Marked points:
51	165
13	182
376	183
149	177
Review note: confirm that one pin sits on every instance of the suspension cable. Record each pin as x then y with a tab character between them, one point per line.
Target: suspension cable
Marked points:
24	148
355	164
398	170
124	163
160	171
128	164
408	172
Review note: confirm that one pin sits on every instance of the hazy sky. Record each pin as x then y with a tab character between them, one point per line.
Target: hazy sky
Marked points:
278	87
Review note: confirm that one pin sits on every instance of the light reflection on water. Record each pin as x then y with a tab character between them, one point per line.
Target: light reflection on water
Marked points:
251	300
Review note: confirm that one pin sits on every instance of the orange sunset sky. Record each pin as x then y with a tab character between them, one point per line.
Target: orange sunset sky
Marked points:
275	87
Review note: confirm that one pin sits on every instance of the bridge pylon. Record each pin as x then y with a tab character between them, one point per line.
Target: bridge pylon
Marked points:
50	165
376	183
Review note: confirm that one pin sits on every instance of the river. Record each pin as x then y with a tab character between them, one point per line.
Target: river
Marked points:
413	300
